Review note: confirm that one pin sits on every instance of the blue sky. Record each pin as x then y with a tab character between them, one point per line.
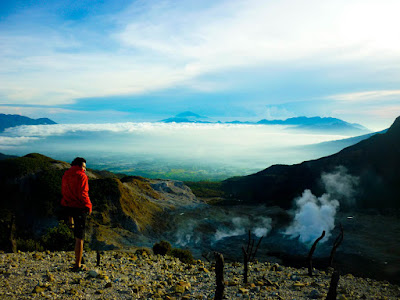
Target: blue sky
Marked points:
113	61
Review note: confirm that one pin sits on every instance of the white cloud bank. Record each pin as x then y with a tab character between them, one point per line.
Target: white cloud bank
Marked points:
273	135
235	146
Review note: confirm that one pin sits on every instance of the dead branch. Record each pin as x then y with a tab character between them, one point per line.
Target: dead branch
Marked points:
249	254
310	254
336	244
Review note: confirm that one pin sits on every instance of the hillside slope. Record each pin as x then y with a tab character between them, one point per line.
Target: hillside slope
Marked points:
31	188
375	161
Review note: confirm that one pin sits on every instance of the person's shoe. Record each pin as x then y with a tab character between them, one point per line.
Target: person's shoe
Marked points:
82	268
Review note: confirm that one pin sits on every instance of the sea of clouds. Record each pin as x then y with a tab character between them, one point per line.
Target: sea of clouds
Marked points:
241	147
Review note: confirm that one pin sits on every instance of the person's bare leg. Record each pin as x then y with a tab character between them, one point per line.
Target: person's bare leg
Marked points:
71	222
78	252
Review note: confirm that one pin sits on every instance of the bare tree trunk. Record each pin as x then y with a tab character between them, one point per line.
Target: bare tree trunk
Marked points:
98	256
245	264
333	286
336	244
219	275
11	237
249	254
310	254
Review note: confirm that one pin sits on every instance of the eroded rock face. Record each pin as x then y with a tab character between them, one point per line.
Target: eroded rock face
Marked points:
174	193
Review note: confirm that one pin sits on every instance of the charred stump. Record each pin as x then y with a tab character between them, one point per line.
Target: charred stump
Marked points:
249	255
219	276
245	264
333	286
336	244
12	246
310	254
98	256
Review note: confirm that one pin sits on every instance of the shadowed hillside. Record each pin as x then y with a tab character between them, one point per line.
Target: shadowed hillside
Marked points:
31	188
376	161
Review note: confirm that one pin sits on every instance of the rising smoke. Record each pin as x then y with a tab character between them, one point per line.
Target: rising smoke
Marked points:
197	230
259	226
315	214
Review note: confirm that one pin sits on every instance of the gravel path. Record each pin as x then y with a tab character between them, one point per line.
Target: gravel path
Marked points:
126	275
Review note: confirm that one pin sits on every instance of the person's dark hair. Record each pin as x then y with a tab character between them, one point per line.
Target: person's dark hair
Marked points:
78	161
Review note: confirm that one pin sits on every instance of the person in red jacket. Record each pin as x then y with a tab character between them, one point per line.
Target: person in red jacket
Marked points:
77	204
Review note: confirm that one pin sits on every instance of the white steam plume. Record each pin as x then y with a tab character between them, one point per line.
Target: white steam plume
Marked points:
259	226
315	214
340	185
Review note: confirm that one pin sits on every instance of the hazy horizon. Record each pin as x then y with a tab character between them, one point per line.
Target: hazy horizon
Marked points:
212	151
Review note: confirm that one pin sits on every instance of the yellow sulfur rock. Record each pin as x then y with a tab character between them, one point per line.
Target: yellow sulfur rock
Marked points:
184	284
38	289
299	284
179	289
202	269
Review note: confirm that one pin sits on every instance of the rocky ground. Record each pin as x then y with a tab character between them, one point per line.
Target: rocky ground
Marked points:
129	275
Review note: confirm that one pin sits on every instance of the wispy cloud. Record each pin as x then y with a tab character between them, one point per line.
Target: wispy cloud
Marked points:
383	95
7	142
154	45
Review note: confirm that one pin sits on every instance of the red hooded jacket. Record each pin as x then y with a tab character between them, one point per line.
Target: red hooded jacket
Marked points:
75	189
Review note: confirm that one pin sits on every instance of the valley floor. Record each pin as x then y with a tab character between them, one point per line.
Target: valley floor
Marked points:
129	275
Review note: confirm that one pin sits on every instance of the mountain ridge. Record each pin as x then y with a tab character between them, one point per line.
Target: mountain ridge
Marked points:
376	161
7	121
314	124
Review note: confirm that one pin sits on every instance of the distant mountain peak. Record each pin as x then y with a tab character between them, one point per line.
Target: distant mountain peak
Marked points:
320	124
187	117
7	121
189	114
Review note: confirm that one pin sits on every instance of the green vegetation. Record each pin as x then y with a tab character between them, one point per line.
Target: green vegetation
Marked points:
29	245
28	164
184	255
177	174
206	189
143	252
162	248
59	238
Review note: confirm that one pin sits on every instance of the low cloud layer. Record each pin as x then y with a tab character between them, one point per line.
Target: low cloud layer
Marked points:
250	147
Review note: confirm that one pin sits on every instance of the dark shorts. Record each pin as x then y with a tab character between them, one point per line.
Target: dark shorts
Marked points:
79	216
